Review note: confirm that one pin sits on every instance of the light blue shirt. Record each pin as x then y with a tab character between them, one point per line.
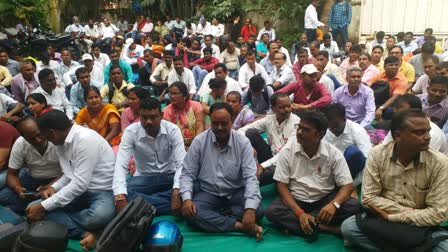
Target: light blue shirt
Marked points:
445	130
218	171
153	156
77	95
268	66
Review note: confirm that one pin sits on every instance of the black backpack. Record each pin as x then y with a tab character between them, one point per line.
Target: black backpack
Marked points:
42	236
127	230
11	225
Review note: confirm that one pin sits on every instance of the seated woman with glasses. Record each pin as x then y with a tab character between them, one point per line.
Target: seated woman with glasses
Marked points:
101	117
183	112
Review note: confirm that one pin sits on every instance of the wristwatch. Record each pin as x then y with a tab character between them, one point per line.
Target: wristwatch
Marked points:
335	204
381	107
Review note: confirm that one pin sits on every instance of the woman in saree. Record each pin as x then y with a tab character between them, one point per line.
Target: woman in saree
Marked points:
183	112
101	117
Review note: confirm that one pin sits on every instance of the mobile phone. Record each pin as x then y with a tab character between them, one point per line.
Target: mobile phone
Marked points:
29	194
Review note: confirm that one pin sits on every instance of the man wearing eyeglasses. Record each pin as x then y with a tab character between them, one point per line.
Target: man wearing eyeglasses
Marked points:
158	149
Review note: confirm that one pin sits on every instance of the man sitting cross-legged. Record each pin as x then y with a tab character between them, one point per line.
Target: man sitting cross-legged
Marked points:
313	181
35	152
218	184
82	198
158	148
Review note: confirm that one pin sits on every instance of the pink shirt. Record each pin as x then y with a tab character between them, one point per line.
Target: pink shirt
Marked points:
369	73
345	65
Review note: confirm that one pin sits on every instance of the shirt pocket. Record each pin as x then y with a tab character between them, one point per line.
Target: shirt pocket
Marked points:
163	153
420	197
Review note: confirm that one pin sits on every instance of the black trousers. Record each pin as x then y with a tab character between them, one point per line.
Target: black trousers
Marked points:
263	154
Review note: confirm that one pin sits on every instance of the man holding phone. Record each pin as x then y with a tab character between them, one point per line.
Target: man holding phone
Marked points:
36	153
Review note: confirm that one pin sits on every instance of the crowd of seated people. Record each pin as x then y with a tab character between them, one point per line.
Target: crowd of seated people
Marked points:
184	103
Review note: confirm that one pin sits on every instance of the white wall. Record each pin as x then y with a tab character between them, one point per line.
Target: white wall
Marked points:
393	16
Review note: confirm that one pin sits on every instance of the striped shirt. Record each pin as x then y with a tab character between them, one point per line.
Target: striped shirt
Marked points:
438	113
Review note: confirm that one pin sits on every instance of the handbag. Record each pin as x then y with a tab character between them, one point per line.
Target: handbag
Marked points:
390	236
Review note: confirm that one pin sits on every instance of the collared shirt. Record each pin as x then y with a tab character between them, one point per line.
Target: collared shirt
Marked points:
77	95
53	64
438	113
6	102
408	71
161	72
278	134
221	172
57	100
103	59
346	64
63	69
340	15
270	32
359	107
231	60
319	97
216	52
45	166
92	32
118	96
332	50
311	21
328	83
268	65
284	75
415	194
85	167
438	140
108	31
246	31
217	30
422	84
369	73
21	88
5	76
311	179
246	73
207	65
186	77
353	134
408	48
125	67
380	65
398	85
161	155
13	67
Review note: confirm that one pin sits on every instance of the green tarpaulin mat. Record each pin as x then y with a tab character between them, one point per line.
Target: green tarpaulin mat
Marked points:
273	239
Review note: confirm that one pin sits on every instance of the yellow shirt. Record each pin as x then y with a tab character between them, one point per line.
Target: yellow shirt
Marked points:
5	76
408	71
118	96
380	65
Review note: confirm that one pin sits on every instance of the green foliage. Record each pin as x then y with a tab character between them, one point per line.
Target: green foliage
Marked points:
32	11
222	9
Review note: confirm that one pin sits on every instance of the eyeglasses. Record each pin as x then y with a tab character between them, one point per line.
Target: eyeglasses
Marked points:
175	94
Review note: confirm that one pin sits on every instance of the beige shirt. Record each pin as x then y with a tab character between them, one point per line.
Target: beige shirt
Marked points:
311	179
231	60
5	76
414	194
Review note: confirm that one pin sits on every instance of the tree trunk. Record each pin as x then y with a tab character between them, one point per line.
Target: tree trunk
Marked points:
55	15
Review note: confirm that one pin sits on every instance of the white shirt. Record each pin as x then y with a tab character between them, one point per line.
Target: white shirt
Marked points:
422	84
96	75
216	52
271	33
92	32
186	77
45	166
217	30
332	50
57	100
334	70
5	103
328	83
161	155
284	75
103	59
52	65
108	31
286	52
74	28
353	134
232	84
85	167
311	21
437	142
131	56
205	30
278	134
311	179
246	73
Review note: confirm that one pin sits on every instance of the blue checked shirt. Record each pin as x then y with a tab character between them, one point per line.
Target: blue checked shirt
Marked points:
340	15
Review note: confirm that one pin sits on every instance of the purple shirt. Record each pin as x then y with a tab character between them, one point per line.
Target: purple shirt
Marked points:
360	107
21	88
438	113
